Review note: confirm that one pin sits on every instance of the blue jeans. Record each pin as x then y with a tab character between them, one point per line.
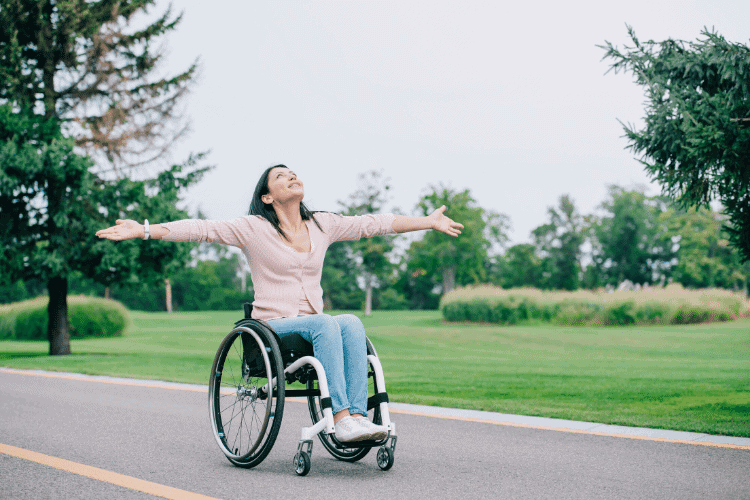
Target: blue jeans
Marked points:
340	346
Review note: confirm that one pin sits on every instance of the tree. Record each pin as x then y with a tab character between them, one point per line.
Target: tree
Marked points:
628	243
51	205
370	256
704	257
79	67
42	211
522	267
558	243
696	138
437	262
81	63
339	279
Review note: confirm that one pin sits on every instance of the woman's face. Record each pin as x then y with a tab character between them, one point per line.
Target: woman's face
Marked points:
283	187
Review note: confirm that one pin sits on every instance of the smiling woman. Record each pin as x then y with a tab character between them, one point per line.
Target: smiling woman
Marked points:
285	244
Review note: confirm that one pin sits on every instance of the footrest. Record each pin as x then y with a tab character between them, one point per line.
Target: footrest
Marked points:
369	443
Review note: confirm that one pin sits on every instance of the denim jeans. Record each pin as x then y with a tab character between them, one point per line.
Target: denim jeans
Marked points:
340	346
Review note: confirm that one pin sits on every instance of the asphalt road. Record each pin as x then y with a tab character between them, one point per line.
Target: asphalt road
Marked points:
163	436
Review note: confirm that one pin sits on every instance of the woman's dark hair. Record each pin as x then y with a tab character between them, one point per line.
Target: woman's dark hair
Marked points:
257	207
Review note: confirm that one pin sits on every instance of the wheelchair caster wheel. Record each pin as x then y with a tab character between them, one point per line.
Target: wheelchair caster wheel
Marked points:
385	458
302	463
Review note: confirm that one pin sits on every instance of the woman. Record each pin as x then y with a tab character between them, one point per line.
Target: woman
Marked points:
285	245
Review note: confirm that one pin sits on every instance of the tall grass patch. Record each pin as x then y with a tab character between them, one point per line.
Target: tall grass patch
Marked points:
672	305
87	317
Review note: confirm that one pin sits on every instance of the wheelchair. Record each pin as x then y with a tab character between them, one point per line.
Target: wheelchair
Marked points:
246	398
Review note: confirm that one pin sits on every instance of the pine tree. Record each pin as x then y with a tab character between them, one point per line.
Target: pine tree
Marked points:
81	70
696	138
82	63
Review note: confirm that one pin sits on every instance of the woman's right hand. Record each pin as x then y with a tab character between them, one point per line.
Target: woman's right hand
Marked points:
123	230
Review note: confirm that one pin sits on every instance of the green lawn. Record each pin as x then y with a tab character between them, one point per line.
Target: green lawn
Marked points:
692	378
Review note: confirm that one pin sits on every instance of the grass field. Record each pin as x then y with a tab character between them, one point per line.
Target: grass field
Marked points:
692	378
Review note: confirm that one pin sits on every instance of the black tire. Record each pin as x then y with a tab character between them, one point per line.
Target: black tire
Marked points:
302	463
385	458
244	417
316	414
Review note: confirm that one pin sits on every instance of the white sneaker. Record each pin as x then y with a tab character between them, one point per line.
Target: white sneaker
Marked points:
349	430
377	432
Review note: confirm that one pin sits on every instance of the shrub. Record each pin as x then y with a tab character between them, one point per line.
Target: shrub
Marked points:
391	300
576	313
650	306
87	317
652	313
619	314
688	314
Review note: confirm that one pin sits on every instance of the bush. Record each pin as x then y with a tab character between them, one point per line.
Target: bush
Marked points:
576	313
688	314
654	306
87	317
619	314
391	300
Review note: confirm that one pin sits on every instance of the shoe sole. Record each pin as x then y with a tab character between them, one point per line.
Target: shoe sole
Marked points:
379	436
363	437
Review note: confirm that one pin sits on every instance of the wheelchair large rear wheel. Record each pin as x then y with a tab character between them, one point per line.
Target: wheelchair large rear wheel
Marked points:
245	408
316	413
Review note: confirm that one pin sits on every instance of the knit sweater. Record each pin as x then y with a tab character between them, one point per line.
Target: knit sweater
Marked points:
281	275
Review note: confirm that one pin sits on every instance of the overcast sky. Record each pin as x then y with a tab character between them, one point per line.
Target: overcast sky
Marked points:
508	100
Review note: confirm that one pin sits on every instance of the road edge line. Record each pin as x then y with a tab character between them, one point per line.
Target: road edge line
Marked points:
573	431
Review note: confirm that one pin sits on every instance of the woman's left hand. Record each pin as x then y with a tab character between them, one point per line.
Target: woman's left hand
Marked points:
444	224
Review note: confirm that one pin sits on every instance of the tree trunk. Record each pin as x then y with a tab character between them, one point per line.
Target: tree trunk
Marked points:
57	315
168	286
368	298
449	278
107	292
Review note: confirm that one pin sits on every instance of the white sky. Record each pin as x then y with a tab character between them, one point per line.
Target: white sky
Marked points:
506	99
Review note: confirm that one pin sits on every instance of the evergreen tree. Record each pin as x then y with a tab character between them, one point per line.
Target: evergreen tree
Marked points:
76	69
81	63
696	138
51	205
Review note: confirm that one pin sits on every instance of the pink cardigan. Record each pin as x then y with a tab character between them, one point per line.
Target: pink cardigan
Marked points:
280	274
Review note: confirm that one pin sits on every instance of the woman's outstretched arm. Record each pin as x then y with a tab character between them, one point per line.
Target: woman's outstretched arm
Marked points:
128	229
436	220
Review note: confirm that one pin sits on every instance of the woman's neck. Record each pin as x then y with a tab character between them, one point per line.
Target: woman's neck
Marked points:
290	218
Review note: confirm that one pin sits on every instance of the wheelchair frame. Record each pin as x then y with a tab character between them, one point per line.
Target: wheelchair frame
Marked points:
247	410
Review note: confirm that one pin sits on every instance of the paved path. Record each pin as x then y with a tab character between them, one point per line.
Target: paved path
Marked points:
71	436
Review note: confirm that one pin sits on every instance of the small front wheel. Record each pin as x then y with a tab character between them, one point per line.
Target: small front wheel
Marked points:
302	463
385	458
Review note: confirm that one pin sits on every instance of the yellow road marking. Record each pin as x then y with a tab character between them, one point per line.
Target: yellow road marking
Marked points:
406	412
155	489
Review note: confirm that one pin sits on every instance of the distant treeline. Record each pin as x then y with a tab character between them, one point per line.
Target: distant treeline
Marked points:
630	237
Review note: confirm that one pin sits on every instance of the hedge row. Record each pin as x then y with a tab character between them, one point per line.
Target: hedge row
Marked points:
650	309
87	317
